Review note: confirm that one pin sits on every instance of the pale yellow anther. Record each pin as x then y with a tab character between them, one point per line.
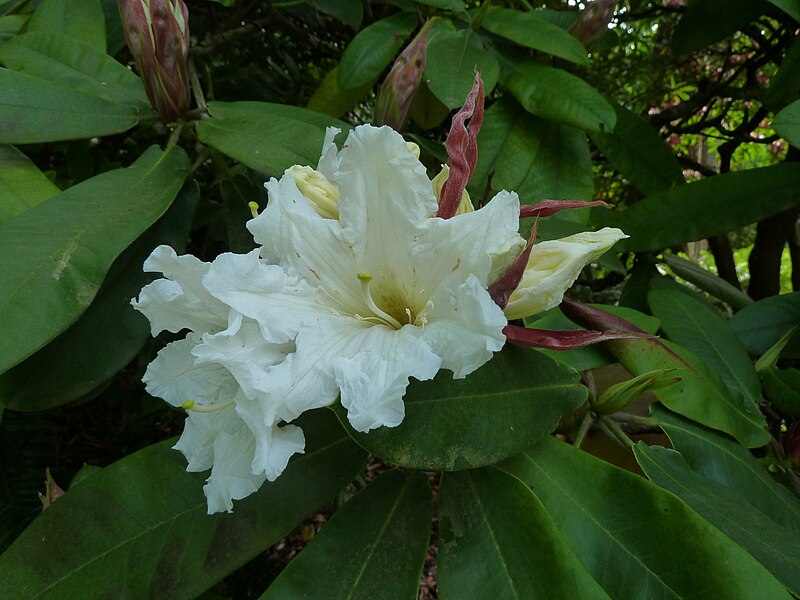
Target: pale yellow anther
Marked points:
253	208
437	183
317	190
364	277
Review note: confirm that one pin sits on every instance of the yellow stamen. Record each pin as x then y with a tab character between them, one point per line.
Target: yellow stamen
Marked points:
253	208
365	279
193	406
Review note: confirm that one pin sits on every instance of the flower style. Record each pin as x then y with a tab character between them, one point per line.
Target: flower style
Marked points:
357	287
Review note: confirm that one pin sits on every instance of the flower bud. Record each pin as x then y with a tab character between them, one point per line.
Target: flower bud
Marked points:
317	190
157	33
401	84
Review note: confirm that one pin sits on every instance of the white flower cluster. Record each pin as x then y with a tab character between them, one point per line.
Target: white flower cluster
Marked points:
356	287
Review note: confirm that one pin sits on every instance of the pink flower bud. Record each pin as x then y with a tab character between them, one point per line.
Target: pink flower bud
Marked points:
401	84
157	33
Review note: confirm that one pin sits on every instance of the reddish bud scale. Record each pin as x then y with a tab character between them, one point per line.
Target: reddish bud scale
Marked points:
462	149
501	290
564	340
545	208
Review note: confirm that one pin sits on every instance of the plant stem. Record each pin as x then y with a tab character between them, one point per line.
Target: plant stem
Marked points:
616	432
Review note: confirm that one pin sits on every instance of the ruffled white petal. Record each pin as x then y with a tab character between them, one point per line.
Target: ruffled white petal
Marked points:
181	301
554	266
231	477
465	327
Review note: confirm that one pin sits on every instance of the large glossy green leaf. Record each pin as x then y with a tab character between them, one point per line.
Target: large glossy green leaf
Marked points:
22	184
728	509
556	95
78	66
761	324
502	408
787	123
718	457
108	335
139	528
708	21
34	110
530	30
706	208
639	153
80	19
497	542
538	159
266	137
10	26
373	547
373	48
699	395
701	330
330	99
57	253
452	59
639	541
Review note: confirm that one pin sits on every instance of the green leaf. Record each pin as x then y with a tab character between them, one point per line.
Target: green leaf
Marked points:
529	30
372	49
701	330
790	7
728	509
452	59
721	459
139	527
787	123
373	547
349	12
496	541
266	137
78	66
699	395
60	250
709	21
10	26
559	96
538	159
639	153
79	19
426	110
638	540
332	100
108	335
782	389
34	110
706	208
22	184
502	408
760	325
707	281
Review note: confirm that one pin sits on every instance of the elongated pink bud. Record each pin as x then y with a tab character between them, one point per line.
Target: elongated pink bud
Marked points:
462	149
157	33
401	84
588	316
568	339
545	208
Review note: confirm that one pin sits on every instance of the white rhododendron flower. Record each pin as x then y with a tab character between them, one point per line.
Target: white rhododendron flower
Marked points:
357	287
